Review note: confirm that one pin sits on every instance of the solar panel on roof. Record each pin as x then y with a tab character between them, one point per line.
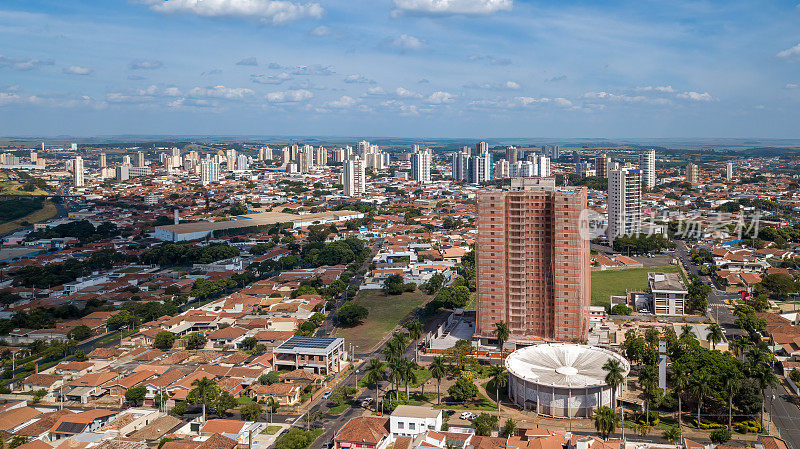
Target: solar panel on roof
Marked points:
307	342
70	427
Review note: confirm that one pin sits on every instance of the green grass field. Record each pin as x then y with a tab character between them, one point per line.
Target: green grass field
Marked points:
48	211
618	282
385	312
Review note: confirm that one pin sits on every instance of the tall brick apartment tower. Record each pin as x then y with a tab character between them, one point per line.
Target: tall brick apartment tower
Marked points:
533	268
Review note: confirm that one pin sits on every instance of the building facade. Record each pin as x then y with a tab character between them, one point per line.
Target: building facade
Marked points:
354	177
421	166
647	162
77	171
533	266
624	202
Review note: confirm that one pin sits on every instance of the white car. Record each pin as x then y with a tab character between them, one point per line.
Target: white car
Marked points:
468	415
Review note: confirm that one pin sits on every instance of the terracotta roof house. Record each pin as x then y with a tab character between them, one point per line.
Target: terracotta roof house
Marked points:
366	432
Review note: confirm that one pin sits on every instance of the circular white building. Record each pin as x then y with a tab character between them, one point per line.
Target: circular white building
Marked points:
561	379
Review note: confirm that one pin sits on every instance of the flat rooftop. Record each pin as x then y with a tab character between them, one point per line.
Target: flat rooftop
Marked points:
309	345
672	282
415	411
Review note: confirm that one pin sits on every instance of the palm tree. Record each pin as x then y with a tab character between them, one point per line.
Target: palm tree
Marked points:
672	434
731	385
376	370
407	374
614	378
648	378
205	387
687	333
766	378
701	387
714	335
605	421
396	376
499	376
680	382
414	328
502	333
438	371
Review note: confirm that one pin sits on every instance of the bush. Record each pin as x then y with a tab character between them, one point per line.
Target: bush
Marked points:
720	436
351	314
463	390
621	309
749	426
795	376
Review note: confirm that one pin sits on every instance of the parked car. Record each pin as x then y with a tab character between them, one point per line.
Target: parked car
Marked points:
468	415
327	394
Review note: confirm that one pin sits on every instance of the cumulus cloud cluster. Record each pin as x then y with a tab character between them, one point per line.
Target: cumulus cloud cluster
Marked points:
466	7
270	11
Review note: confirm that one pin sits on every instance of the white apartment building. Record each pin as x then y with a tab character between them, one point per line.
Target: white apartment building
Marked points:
209	172
354	178
410	420
77	171
624	202
480	169
647	162
421	166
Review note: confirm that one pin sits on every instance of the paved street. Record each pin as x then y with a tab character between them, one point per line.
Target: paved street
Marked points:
785	415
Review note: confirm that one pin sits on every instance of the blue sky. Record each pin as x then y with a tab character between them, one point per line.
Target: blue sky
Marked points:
417	68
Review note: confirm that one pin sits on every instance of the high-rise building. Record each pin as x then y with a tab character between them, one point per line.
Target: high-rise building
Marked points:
624	202
421	166
286	156
729	171
77	171
502	168
512	154
230	159
140	158
354	178
320	157
73	146
601	165
551	151
544	166
480	169
533	269
34	157
460	165
242	163
691	173
103	163
126	160
209	172
647	162
481	148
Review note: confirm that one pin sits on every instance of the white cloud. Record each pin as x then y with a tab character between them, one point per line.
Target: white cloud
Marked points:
792	86
172	92
358	79
490	60
512	85
790	52
562	102
78	70
407	42
402	92
271	79
696	96
143	64
440	97
320	70
251	61
289	96
227	93
376	91
508	85
559	101
341	103
531	100
444	7
667	89
9	97
321	30
267	11
22	63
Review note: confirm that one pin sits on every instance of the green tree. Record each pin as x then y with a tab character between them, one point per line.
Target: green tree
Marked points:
780	284
502	333
195	340
605	421
205	392
701	388
394	285
252	411
80	333
672	434
715	335
484	424
164	340
732	385
463	390
614	378
509	428
135	395
438	371
80	356
720	436
351	314
499	377
224	402
375	372
270	378
414	328
179	409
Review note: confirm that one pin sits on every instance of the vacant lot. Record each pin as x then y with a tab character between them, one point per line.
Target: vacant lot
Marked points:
385	312
47	212
618	282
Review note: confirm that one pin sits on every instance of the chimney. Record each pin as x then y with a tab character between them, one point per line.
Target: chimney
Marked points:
177	220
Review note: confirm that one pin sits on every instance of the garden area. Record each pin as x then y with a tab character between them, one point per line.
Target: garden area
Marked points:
617	282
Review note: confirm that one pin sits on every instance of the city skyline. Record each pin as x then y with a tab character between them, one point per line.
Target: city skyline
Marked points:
423	68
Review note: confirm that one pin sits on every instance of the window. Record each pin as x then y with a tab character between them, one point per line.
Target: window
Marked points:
411	426
400	425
